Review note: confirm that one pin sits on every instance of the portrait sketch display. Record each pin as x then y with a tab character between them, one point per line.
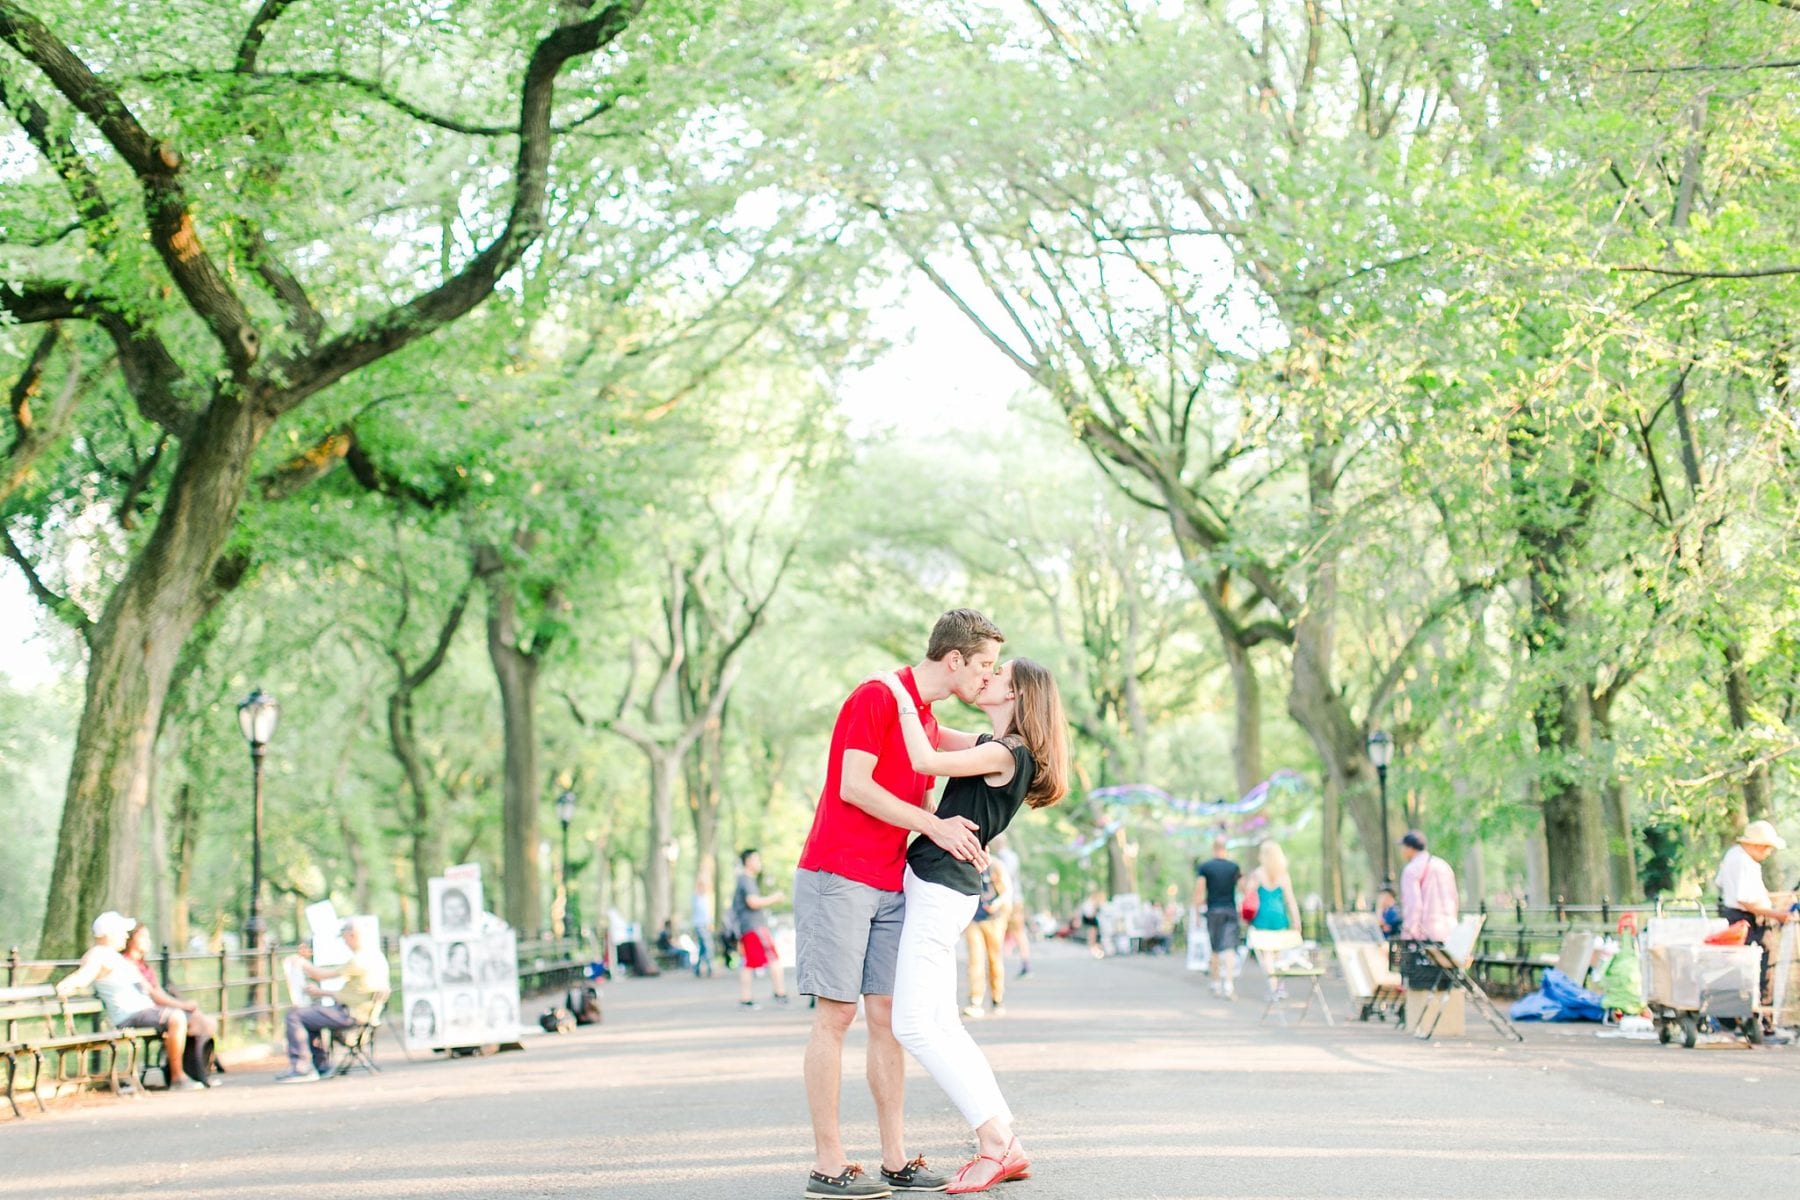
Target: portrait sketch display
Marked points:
500	1014
424	1026
458	962
462	1016
460	982
497	959
455	906
418	964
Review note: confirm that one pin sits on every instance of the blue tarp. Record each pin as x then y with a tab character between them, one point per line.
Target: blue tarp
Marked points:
1559	999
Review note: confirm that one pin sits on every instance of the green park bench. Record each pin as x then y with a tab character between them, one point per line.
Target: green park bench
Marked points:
39	1027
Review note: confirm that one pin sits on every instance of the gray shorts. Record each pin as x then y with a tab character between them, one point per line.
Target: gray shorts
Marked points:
846	936
1222	929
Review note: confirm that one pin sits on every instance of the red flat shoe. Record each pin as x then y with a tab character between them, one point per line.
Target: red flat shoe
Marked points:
965	1181
1016	1165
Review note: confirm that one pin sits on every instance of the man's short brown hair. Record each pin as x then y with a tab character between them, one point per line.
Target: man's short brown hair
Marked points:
961	629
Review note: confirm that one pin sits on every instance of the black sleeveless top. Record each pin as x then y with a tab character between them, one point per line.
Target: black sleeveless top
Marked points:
991	808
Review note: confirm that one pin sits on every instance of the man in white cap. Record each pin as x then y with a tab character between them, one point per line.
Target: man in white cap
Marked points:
125	992
1743	897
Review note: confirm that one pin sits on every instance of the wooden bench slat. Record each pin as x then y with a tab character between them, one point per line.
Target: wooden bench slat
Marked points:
73	1041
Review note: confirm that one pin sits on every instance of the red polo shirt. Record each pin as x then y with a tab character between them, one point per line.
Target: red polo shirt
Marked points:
845	840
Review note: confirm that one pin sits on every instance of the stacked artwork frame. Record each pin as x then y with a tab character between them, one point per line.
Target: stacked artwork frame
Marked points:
460	982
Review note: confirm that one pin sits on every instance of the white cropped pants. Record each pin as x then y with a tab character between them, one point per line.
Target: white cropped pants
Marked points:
926	1019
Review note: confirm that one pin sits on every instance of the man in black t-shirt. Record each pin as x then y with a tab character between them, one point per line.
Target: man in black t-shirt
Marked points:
1216	887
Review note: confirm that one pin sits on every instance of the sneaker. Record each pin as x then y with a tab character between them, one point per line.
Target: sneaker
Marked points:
999	1010
749	1005
914	1177
972	1011
1216	988
1227	991
1024	969
852	1181
781	998
298	1077
185	1084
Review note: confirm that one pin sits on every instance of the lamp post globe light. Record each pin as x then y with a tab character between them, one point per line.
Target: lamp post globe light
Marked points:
1381	753
565	813
257	716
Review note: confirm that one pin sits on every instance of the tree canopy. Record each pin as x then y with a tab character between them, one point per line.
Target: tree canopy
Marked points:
479	378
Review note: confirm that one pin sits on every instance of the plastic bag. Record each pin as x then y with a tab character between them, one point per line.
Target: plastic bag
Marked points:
1622	986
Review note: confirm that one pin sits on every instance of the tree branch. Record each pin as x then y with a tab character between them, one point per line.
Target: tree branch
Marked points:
151	375
1773	65
1682	273
157	165
1390	679
406	323
429	667
33	433
60	607
251	45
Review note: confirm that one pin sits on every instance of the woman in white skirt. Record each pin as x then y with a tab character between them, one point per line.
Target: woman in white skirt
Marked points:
1025	761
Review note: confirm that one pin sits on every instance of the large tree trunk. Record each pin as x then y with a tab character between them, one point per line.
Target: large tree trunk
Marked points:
132	653
659	895
1246	701
426	830
1331	874
1574	823
705	797
516	671
1320	709
187	832
1555	500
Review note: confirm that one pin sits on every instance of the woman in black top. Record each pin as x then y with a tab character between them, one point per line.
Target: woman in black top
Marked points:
1024	761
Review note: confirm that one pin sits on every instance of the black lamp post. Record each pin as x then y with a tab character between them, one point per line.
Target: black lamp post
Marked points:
1381	753
256	717
565	812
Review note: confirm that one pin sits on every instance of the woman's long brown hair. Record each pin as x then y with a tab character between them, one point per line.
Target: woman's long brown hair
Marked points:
1038	721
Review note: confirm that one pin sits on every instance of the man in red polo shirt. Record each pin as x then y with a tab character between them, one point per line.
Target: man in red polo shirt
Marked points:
848	907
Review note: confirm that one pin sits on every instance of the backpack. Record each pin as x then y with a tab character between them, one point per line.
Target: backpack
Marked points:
584	1005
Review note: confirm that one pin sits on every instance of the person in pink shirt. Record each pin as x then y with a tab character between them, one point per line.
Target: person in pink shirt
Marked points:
1428	909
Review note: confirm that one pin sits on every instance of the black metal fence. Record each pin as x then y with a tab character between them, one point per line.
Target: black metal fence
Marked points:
244	991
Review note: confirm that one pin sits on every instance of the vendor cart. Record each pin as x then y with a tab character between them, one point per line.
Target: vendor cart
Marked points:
1693	986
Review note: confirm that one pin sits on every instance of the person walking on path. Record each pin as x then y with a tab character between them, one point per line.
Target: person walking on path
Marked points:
701	916
1017	932
985	941
848	906
1428	904
1273	887
1744	897
1216	892
1024	762
756	945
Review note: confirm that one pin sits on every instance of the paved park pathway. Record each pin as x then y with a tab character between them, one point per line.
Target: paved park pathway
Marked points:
1129	1081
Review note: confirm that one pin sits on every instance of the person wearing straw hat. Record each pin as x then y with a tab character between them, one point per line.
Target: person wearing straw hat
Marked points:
1744	897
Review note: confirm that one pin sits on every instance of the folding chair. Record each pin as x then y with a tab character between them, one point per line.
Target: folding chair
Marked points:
1374	986
1453	959
1283	956
355	1044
